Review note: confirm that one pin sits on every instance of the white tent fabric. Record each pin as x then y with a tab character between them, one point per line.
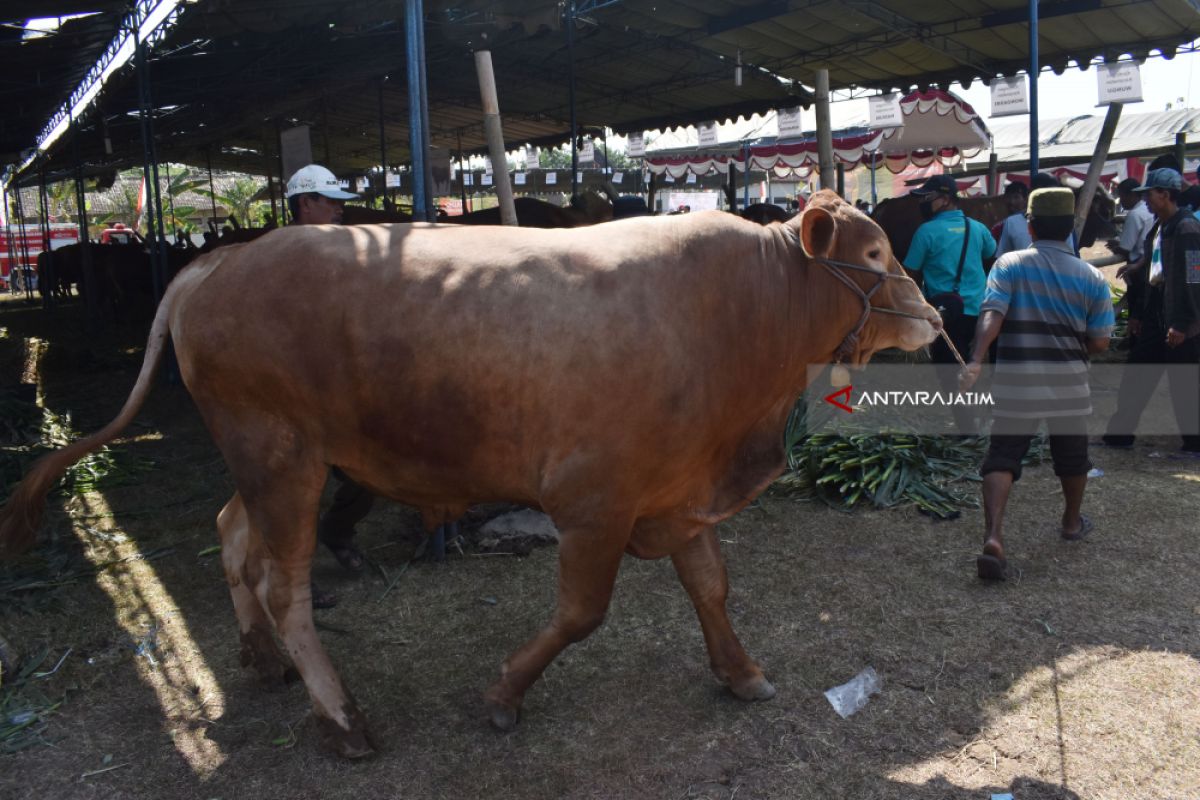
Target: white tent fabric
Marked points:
1075	139
937	126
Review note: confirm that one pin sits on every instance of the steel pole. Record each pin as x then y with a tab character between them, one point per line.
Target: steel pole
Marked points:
154	227
387	199
570	12
1033	88
413	27
49	278
430	214
24	242
86	267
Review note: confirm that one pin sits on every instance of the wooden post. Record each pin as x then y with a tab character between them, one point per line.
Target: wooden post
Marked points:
1083	203
495	136
993	176
824	130
1181	150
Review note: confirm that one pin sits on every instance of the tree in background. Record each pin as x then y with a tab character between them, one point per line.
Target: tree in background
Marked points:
239	200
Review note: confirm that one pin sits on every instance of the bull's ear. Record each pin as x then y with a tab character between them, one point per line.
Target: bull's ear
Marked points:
817	230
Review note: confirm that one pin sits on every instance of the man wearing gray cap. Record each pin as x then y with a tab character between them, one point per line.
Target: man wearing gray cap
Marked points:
1164	331
1049	310
1175	265
315	197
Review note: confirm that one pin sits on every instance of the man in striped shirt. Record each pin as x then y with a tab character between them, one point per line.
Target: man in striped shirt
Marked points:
1050	310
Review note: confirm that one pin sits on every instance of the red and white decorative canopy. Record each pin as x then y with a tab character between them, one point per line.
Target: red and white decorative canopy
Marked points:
937	125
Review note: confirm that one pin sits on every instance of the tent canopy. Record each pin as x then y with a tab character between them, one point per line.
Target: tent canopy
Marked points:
937	125
229	74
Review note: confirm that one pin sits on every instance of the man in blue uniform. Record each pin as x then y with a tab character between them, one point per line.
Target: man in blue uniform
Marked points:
949	251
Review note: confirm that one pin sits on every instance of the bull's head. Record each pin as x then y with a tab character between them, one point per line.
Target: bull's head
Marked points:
832	230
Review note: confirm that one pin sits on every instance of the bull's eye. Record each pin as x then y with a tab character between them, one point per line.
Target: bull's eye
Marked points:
874	254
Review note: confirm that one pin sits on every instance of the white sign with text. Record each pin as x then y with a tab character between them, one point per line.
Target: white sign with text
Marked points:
885	112
789	122
1119	83
1010	96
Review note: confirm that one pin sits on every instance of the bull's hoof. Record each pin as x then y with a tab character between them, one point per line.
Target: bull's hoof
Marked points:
504	714
505	719
356	742
752	690
260	654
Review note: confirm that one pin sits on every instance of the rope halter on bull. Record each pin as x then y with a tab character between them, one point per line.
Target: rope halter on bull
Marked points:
850	342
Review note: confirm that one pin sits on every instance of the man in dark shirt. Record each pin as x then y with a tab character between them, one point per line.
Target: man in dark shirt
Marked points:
1164	315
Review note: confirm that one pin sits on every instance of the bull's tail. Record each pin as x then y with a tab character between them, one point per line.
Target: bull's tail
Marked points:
22	514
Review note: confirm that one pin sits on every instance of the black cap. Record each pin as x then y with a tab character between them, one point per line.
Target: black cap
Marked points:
938	183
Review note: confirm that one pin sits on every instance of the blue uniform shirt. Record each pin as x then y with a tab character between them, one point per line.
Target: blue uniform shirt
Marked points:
935	249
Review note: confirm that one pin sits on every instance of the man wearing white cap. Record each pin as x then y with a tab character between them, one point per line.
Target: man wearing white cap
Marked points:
315	198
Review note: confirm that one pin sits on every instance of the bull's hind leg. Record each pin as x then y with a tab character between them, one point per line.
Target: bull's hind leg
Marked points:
242	556
280	483
588	560
702	571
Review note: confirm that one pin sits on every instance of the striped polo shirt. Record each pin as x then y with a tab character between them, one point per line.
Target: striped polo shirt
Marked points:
1052	303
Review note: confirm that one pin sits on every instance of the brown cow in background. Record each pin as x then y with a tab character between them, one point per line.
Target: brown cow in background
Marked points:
901	216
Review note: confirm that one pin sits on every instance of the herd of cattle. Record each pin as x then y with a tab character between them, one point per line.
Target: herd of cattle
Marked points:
122	277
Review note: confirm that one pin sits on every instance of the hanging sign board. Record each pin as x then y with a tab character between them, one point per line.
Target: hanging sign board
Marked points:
1119	83
587	152
637	145
708	133
789	122
551	178
1010	96
885	111
439	160
295	148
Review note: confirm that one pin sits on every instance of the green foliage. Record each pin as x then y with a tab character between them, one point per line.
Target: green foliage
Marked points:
884	468
239	201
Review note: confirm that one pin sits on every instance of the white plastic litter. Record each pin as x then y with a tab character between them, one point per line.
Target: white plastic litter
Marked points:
853	695
1095	472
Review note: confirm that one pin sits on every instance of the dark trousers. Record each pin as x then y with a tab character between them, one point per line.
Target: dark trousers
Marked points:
351	503
961	332
1150	348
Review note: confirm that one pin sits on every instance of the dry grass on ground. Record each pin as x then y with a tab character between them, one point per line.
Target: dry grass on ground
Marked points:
1078	680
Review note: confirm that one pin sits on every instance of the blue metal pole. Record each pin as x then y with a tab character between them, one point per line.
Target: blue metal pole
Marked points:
571	98
414	20
1033	88
746	180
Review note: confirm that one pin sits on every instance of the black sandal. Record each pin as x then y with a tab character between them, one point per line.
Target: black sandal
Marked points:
321	598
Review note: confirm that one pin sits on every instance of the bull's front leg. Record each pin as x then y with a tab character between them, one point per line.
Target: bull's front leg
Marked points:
588	561
702	571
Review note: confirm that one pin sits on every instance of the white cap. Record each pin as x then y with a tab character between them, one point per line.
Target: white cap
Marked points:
315	178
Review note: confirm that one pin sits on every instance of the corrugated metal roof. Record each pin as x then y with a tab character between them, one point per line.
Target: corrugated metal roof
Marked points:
234	70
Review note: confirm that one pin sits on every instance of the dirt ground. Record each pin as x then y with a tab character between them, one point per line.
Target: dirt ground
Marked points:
1077	680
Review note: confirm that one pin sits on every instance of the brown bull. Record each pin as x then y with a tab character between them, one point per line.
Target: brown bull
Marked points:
633	380
531	213
901	216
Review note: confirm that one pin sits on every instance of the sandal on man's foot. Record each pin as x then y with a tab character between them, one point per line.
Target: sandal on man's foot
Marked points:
321	598
1085	527
991	568
349	556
